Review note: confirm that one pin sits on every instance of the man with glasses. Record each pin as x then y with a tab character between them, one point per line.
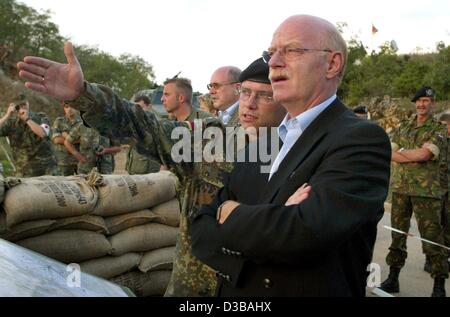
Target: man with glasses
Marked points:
257	234
29	136
224	91
120	119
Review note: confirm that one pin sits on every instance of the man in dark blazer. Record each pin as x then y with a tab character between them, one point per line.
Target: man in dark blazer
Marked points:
258	235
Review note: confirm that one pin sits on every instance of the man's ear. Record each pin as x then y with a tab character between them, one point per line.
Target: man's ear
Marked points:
237	87
335	64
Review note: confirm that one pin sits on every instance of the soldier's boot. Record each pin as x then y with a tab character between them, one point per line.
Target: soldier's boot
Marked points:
427	266
391	284
438	288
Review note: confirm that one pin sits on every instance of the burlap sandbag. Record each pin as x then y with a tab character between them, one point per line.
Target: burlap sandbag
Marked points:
169	213
69	246
121	194
48	198
143	238
27	230
85	222
159	259
110	266
119	223
145	284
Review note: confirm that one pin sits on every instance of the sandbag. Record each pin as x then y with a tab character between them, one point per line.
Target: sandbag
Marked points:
27	230
143	238
169	213
119	223
47	197
85	222
121	194
145	284
69	246
159	259
110	266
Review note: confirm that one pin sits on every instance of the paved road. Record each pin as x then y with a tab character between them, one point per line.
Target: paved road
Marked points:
414	282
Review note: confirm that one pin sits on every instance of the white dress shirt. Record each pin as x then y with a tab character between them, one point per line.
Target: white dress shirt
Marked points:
292	128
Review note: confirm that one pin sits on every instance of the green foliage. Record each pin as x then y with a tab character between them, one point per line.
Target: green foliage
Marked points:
24	31
387	73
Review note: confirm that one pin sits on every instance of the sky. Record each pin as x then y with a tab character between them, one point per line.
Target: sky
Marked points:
198	36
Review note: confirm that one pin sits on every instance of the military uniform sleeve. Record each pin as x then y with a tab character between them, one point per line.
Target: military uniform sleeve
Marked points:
5	128
437	143
119	120
56	128
44	121
74	135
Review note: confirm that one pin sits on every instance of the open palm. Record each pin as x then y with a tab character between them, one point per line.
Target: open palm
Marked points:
61	81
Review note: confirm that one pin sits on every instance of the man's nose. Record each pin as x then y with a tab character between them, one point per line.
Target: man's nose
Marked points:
276	60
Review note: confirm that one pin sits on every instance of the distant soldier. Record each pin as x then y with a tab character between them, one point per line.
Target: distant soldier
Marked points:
62	126
177	99
29	136
94	150
419	148
136	162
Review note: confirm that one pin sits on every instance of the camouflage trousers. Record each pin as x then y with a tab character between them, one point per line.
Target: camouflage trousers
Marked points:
428	215
106	165
47	169
190	277
68	170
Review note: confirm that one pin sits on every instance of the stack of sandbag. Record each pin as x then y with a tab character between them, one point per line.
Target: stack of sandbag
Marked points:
119	227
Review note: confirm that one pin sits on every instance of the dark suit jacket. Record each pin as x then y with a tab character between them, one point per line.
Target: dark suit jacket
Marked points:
321	247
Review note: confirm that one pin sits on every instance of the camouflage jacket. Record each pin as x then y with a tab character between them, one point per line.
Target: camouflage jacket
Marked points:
29	151
198	114
141	164
422	179
199	181
89	141
63	124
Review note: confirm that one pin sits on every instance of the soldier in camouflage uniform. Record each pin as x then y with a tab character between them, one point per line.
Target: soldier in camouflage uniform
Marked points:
119	119
177	99
95	150
29	136
418	152
137	163
62	126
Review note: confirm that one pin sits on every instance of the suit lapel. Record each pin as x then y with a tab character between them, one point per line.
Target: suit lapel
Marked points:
313	135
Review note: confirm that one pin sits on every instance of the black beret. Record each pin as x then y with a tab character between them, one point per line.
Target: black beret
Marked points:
258	71
424	92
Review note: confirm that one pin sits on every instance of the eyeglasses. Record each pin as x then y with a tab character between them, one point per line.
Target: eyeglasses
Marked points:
290	53
216	86
260	96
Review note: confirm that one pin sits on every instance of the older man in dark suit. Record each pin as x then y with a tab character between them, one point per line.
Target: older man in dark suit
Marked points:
257	235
